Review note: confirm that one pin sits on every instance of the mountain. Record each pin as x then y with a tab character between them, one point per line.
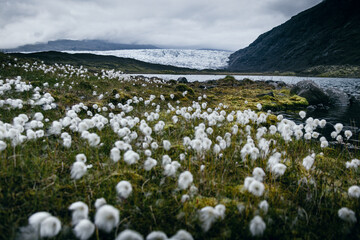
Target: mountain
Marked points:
327	34
77	45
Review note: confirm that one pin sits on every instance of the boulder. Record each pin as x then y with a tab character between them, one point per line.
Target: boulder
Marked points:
338	97
311	91
182	80
276	84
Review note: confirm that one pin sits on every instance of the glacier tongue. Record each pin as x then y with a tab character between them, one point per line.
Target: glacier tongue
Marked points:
188	58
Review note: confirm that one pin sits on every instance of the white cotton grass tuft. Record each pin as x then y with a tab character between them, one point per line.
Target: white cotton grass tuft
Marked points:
259	106
166	145
2	145
324	144
278	169
185	180
302	114
182	235
256	188
241	207
149	164
124	189
220	210
308	162
78	169
333	134
99	203
115	154
354	191
81	158
36	219
348	134
347	215
257	226
129	235
258	174
184	198
338	127
79	211
84	229
156	235
248	181
322	123
355	163
264	206
131	157
147	153
170	169
107	218
50	227
208	215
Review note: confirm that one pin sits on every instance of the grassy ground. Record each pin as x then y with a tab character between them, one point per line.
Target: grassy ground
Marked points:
35	174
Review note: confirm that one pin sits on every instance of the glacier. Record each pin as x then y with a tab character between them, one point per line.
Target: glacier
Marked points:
188	58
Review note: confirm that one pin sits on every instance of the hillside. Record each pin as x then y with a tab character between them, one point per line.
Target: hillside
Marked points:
327	34
77	45
99	155
92	61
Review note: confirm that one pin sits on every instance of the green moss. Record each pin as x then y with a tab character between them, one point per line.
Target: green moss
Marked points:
85	85
123	96
200	202
271	119
183	88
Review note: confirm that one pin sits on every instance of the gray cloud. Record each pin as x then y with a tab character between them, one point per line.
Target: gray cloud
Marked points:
226	24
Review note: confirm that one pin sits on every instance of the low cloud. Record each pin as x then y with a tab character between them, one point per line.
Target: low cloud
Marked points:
227	24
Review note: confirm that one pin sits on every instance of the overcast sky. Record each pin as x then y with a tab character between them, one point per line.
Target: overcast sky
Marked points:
221	24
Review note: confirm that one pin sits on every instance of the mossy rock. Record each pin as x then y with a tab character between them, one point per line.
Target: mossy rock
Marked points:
66	99
84	85
172	82
183	88
122	99
228	81
200	202
271	119
232	190
247	81
294	102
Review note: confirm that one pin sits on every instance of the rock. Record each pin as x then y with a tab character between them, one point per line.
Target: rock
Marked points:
337	97
182	80
353	100
311	108
276	84
311	91
266	94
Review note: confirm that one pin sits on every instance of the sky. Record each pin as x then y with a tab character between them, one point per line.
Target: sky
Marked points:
216	24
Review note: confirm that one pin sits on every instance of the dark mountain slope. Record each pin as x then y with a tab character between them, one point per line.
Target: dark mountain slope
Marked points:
327	34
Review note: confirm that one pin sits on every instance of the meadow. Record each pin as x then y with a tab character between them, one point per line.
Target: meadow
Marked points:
92	154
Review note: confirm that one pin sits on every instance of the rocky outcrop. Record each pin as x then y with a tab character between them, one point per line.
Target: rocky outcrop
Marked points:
337	97
182	80
317	96
311	91
327	34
